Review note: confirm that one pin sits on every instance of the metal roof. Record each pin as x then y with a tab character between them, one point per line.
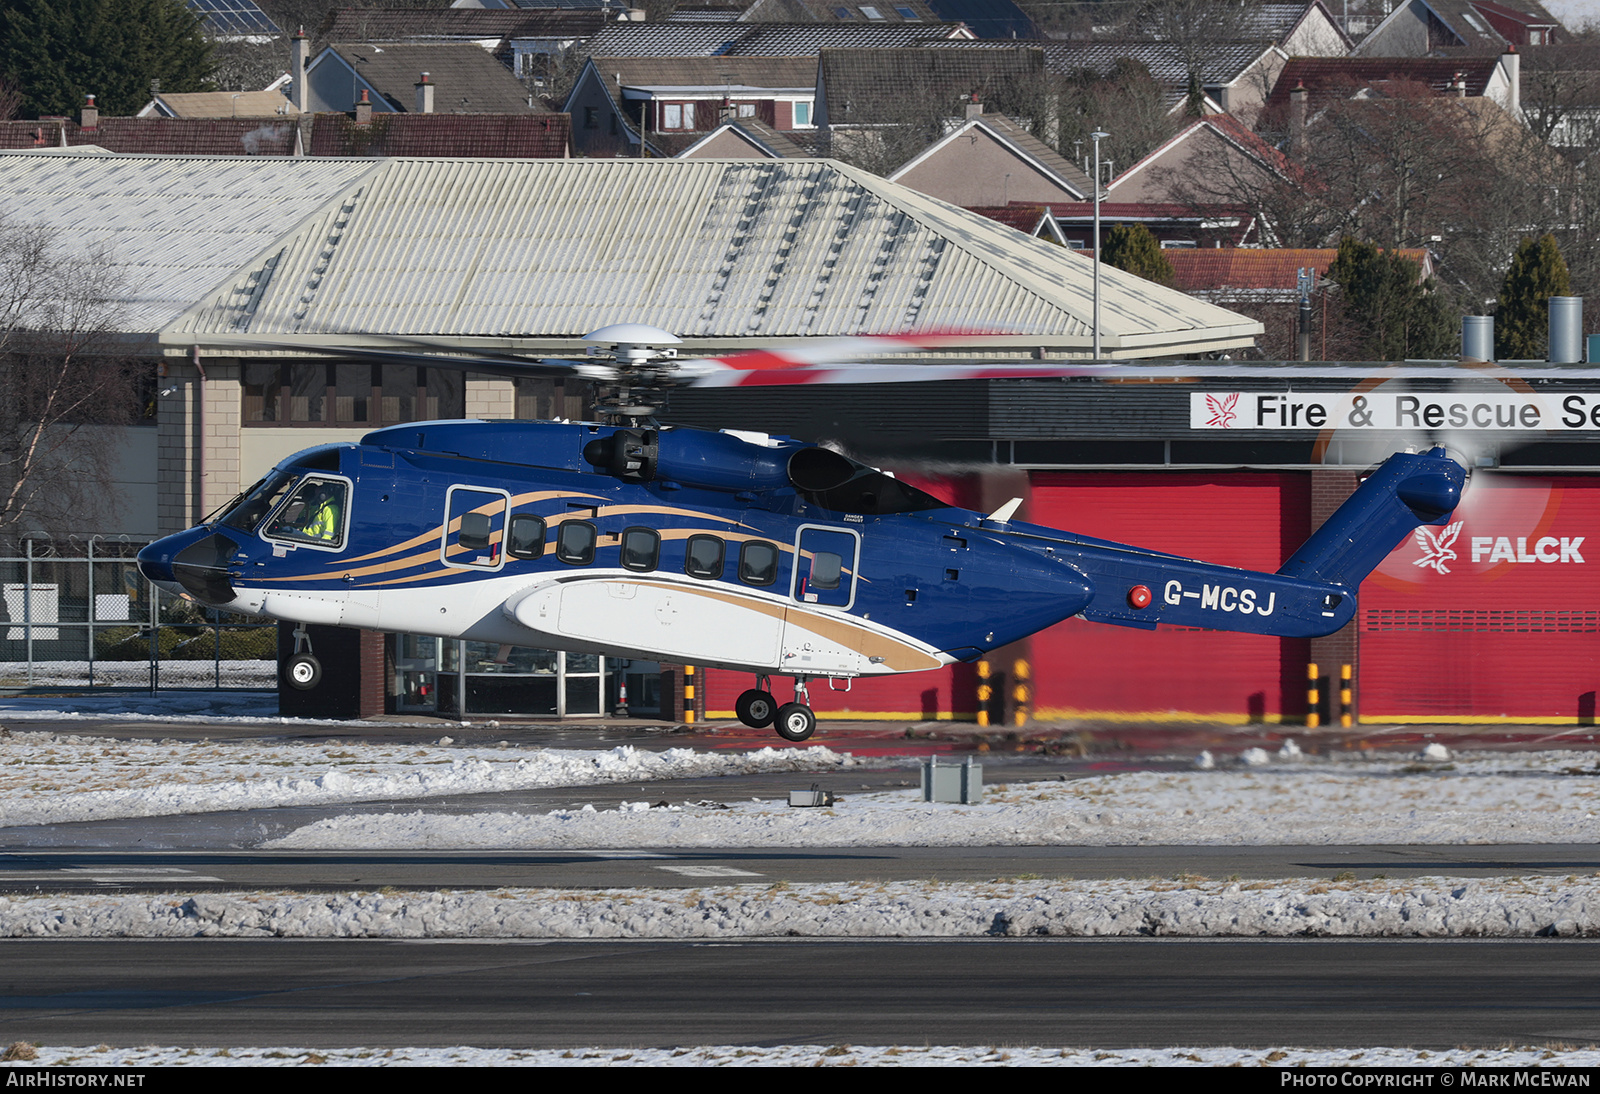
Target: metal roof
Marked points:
174	226
531	254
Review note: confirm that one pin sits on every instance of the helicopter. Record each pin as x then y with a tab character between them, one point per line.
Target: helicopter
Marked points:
737	550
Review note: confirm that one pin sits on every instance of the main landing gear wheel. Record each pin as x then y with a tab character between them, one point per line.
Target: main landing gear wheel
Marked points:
303	671
795	722
756	708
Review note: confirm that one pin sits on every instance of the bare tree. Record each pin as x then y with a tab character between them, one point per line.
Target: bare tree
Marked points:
62	374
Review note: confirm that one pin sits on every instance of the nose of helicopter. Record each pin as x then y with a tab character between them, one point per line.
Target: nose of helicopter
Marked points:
192	563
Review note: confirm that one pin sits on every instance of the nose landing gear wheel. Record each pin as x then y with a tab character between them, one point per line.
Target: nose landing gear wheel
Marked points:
756	708
795	722
303	671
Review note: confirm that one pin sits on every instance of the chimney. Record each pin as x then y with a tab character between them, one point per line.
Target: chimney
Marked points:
1297	122
1511	65
726	112
424	95
974	107
364	109
1460	85
299	58
91	114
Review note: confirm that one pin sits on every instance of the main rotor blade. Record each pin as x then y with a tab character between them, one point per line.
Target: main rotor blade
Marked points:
709	373
490	364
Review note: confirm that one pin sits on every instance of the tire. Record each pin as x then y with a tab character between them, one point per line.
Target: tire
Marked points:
795	722
756	708
303	672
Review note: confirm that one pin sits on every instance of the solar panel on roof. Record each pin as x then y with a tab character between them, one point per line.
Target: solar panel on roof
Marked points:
233	18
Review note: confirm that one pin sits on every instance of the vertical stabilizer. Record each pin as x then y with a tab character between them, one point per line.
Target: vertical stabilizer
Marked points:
1406	491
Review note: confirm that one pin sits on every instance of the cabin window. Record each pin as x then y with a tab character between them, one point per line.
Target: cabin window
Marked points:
826	567
641	549
475	525
317	514
703	557
575	542
758	562
527	536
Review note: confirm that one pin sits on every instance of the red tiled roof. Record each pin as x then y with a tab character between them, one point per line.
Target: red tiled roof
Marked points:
1022	217
510	136
1340	77
1142	210
1205	269
161	136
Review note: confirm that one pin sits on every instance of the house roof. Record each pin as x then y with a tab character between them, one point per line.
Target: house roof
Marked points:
512	254
1245	268
865	85
1225	126
159	136
782	145
1164	59
530	136
1023	143
709	72
221	104
987	18
1328	78
837	11
393	24
1477	24
1033	220
468	79
756	39
705	13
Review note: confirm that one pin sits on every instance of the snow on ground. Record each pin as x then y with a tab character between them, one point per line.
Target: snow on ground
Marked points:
1431	907
1489	798
809	1056
50	778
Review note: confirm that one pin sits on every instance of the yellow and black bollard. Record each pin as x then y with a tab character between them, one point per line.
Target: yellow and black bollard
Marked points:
1313	696
985	693
1021	693
688	694
1346	705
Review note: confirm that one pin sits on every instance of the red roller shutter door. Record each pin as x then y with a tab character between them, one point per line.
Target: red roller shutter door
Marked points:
1249	519
1497	619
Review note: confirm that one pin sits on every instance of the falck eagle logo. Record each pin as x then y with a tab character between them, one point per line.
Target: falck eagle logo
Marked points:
1436	548
1221	410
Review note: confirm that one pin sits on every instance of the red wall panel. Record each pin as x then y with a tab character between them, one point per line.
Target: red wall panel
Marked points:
1496	616
1248	519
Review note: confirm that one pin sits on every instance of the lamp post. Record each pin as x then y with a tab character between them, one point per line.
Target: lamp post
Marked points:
1097	136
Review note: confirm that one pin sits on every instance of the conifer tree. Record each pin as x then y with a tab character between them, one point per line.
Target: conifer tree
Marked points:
1391	312
1537	273
58	51
1131	247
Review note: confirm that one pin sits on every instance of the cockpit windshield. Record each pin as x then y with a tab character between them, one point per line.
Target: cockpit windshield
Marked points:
247	510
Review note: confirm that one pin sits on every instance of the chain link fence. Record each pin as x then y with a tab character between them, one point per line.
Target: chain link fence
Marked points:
82	616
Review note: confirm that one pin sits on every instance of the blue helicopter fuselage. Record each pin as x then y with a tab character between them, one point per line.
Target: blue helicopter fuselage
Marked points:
739	551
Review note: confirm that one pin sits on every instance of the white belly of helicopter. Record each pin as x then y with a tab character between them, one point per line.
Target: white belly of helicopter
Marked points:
623	614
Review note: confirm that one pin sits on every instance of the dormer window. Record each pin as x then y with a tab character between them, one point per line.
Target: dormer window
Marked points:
871	13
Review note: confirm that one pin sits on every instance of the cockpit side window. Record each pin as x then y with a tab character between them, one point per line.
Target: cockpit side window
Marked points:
315	513
246	511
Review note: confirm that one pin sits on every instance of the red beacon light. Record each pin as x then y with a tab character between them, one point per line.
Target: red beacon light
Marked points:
1139	596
